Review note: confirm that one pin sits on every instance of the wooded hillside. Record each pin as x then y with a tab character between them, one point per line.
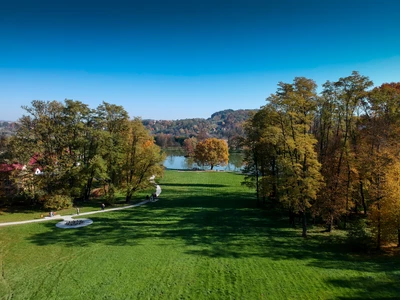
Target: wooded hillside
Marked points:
226	124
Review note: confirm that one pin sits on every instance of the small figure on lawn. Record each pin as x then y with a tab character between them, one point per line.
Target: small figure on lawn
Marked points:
77	210
103	206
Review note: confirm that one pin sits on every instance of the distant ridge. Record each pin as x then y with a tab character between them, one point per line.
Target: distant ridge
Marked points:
222	124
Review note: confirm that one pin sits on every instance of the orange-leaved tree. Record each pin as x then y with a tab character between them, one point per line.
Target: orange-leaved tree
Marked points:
212	152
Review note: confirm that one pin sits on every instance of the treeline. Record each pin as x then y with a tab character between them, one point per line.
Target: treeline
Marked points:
76	150
226	124
7	129
332	156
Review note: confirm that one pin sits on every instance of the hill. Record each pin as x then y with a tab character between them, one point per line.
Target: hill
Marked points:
225	124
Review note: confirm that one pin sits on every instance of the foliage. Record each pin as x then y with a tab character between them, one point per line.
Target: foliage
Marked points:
227	124
142	160
330	155
57	202
280	148
211	152
76	149
190	146
338	141
358	237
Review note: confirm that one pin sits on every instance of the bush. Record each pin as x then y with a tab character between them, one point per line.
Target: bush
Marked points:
358	237
57	202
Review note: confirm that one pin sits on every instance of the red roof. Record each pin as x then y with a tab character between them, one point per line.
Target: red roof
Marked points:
10	167
33	160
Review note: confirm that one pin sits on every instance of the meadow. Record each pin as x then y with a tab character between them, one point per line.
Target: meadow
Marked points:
204	239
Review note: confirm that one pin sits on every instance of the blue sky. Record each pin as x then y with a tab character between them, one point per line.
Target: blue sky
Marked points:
182	59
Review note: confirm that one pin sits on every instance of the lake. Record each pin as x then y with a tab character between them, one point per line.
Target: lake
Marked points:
176	160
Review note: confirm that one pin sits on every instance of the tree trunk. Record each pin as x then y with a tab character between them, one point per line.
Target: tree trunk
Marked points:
304	221
88	188
330	222
398	237
257	185
347	195
363	197
128	196
378	239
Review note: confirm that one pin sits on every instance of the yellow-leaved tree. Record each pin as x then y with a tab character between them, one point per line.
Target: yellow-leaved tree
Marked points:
212	152
143	159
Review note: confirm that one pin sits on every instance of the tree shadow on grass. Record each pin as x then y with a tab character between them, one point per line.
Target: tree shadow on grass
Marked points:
370	287
223	226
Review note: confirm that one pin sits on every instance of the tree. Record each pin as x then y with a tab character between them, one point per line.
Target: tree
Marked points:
212	152
280	148
190	146
388	212
114	121
300	179
77	147
380	162
340	104
260	153
142	159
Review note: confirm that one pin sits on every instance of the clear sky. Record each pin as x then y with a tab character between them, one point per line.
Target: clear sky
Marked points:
174	59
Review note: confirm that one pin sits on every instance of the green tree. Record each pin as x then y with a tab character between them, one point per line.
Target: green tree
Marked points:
261	152
142	159
114	121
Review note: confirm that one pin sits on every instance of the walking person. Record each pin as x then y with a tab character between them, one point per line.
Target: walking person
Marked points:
103	206
77	211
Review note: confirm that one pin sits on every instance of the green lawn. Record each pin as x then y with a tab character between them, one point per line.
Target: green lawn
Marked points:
203	239
25	213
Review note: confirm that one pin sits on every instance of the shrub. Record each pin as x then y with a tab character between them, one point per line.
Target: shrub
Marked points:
57	202
358	237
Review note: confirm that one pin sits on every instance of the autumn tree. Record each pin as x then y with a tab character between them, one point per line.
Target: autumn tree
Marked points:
142	159
385	217
190	146
380	159
280	148
300	170
337	135
212	152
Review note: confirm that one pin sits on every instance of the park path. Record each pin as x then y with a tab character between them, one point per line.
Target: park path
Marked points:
69	217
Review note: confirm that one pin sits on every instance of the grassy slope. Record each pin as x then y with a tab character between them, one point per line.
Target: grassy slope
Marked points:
200	241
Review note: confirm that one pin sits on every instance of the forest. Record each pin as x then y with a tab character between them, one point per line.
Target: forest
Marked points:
332	156
226	124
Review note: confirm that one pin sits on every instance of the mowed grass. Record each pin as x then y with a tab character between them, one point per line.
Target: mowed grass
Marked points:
26	213
204	239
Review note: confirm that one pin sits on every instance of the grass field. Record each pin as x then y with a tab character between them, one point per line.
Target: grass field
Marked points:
24	213
203	239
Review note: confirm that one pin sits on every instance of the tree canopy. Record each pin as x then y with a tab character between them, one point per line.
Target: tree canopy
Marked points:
78	149
211	152
332	155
